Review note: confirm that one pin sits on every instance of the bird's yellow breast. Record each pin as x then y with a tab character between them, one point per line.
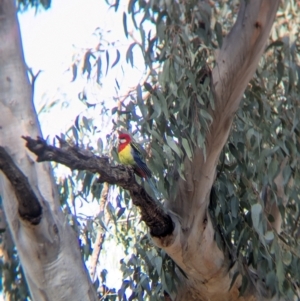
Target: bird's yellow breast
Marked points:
125	156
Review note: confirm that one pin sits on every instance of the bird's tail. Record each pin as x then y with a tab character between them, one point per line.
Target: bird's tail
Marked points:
153	188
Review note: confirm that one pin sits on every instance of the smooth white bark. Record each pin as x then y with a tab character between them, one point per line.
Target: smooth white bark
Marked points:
49	252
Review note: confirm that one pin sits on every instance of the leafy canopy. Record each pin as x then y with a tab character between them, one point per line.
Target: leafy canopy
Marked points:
169	112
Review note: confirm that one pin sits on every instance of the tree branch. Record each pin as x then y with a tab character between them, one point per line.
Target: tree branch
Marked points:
237	61
96	252
238	58
100	235
159	222
28	204
196	250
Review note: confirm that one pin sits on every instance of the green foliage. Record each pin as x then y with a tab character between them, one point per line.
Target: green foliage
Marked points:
147	272
169	112
172	113
12	280
23	5
264	134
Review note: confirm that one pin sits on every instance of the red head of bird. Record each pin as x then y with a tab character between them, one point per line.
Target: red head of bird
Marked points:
124	139
130	154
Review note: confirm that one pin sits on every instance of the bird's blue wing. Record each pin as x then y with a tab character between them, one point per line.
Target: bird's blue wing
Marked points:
138	158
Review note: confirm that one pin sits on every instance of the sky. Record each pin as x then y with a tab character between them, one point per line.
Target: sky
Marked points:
50	39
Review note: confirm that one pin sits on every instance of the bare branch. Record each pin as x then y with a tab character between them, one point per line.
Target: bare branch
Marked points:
100	235
28	204
33	78
96	252
159	222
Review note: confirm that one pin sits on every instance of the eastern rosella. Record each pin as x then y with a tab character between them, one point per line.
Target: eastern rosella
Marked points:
130	154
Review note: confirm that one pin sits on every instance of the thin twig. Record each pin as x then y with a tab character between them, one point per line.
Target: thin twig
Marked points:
100	234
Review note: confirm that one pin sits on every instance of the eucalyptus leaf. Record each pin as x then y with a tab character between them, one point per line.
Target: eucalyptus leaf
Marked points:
256	215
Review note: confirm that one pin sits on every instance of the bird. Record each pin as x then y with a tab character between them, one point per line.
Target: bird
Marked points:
129	153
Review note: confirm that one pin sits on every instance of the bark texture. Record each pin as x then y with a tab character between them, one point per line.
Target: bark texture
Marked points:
153	214
192	243
47	246
186	233
28	204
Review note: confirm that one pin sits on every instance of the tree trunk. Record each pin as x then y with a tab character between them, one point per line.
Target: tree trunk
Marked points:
192	245
46	244
42	235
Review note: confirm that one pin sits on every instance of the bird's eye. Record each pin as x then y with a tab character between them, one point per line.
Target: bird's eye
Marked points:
122	140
